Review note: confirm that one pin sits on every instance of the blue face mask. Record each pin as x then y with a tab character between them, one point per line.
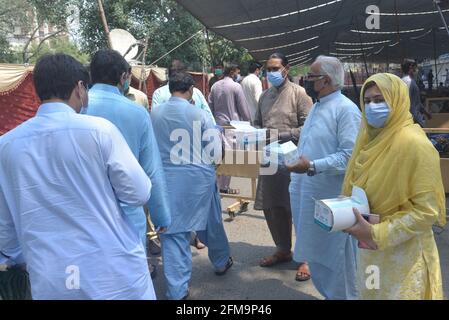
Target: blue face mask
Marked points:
276	78
377	114
126	86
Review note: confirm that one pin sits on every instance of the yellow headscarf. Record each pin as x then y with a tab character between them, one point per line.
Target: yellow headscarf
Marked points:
397	162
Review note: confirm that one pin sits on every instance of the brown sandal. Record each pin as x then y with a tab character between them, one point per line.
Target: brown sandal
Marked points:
275	259
303	272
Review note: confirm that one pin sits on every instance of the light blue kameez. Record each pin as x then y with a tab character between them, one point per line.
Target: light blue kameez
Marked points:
194	197
162	95
134	123
327	138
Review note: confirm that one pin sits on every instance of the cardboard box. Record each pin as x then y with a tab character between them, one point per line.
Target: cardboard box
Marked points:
240	135
439	120
240	163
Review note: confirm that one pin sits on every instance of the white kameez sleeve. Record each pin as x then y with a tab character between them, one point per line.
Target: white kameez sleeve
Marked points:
10	250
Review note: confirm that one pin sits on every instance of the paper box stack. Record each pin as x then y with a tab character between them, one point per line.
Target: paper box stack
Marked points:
281	154
244	136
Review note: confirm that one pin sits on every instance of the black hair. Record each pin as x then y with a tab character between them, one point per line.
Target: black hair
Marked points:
367	86
230	68
180	82
176	66
279	55
253	66
107	67
56	76
407	64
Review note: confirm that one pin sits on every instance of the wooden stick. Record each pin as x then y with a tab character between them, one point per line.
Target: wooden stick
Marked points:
142	73
105	23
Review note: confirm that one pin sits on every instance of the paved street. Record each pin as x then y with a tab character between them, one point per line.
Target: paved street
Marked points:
250	240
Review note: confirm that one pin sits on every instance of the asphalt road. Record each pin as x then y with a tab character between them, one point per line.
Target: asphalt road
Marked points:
250	240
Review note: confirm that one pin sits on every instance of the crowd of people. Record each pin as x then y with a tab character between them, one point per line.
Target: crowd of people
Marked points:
97	170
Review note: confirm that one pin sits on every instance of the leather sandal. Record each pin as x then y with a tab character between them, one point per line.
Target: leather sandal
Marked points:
275	259
303	272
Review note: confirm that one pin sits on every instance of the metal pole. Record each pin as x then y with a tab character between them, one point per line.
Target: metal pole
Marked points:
437	3
354	84
142	73
388	60
203	76
435	56
105	23
363	50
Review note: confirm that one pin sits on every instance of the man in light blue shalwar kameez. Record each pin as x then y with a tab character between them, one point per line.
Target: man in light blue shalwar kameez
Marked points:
106	100
326	144
191	179
162	94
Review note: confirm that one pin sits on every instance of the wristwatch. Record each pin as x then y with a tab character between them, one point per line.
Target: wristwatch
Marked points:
312	170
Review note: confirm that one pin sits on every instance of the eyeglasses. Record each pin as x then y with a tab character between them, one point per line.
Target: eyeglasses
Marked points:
314	77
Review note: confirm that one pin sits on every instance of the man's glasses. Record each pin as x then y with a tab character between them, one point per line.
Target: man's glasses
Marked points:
314	77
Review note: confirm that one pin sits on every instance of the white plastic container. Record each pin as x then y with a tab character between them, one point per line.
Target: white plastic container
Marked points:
281	154
337	214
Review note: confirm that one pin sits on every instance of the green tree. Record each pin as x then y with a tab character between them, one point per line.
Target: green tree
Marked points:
165	24
61	45
52	12
11	14
30	16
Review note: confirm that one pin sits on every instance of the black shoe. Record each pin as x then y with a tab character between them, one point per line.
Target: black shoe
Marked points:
227	267
154	247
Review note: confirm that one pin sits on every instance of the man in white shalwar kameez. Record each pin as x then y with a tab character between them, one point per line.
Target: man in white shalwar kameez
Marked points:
325	146
63	177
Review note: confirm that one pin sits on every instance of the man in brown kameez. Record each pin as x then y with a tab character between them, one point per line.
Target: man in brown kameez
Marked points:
282	108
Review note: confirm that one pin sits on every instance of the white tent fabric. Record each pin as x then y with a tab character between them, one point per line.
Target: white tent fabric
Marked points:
302	29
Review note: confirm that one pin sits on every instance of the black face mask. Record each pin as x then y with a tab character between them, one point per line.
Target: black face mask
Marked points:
309	86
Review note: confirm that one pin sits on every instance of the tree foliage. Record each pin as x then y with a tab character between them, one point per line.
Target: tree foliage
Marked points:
165	24
62	45
30	16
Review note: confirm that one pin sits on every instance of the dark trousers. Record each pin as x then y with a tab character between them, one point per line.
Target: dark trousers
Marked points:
279	220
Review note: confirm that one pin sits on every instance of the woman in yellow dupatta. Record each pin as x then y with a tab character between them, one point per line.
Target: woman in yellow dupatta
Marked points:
398	167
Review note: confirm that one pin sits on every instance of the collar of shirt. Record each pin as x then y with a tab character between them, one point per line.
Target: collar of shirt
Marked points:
53	107
177	99
106	88
329	97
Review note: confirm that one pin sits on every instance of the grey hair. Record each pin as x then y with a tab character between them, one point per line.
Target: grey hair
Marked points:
333	68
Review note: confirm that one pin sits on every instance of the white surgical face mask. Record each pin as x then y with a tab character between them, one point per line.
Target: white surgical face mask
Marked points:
377	114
